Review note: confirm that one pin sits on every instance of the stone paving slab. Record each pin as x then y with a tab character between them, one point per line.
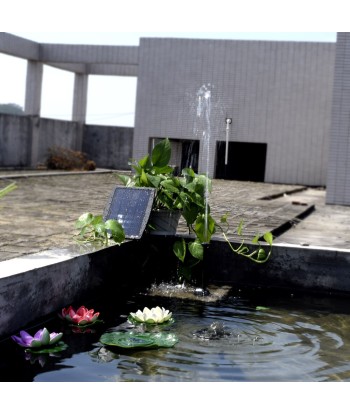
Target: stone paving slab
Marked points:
41	212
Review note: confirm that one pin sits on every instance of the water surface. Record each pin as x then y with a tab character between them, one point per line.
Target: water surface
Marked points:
245	337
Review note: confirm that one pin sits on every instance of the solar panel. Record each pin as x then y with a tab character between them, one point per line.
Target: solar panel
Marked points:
131	207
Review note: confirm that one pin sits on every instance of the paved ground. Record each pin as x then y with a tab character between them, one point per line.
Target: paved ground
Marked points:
41	212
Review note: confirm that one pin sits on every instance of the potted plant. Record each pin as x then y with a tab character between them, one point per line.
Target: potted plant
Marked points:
184	195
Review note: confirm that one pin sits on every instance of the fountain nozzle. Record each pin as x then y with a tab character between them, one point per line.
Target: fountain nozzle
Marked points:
228	121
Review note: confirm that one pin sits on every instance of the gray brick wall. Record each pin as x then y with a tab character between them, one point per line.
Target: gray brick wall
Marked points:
15	140
109	147
279	93
338	184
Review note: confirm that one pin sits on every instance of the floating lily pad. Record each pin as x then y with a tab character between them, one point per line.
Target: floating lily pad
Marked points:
130	340
58	347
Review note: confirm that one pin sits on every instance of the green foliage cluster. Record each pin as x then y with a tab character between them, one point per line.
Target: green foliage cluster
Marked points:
94	229
188	193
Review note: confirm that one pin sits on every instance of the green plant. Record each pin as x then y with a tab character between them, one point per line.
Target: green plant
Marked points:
7	189
95	229
188	193
259	254
191	253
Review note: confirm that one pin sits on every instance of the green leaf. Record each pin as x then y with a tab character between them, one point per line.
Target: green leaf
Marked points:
163	170
57	347
154	180
187	171
196	249
132	340
113	225
240	228
145	163
179	249
100	228
84	219
117	230
170	185
255	240
144	179
204	229
261	254
161	153
223	218
126	180
7	189
97	220
268	238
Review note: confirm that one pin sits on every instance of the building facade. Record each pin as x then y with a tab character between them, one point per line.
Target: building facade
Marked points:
338	164
247	110
277	97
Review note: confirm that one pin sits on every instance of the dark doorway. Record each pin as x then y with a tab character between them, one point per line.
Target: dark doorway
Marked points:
246	161
184	153
190	153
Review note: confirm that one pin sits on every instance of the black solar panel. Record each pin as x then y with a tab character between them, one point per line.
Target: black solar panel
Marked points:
131	207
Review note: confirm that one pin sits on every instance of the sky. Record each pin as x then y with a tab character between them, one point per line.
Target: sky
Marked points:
111	100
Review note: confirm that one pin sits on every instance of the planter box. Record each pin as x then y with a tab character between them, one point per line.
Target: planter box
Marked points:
163	222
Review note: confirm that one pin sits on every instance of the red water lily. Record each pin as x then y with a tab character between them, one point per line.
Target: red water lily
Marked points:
81	317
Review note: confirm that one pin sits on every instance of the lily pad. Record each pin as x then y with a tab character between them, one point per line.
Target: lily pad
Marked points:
130	340
58	347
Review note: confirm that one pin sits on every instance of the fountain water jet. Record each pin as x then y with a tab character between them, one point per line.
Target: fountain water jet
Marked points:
203	131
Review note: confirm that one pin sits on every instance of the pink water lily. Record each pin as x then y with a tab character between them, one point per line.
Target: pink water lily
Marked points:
81	317
40	339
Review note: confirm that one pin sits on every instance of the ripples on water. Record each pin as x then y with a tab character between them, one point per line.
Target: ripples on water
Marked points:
243	337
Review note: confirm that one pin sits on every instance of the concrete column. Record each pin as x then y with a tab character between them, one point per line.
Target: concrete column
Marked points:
79	107
80	98
33	88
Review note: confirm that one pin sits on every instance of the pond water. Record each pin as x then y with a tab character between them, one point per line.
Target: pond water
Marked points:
247	336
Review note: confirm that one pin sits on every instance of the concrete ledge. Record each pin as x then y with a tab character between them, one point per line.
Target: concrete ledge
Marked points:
310	268
38	285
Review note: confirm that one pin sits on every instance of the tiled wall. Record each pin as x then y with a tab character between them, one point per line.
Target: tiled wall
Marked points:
338	184
279	93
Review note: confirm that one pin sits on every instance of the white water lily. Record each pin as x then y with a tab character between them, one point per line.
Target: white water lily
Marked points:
155	315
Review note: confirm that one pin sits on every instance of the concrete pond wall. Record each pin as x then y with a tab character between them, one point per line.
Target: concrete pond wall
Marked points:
35	286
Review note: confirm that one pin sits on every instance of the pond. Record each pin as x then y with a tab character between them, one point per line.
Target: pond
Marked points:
249	335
